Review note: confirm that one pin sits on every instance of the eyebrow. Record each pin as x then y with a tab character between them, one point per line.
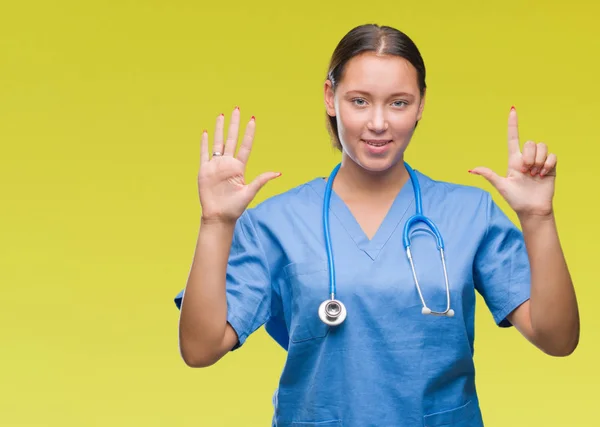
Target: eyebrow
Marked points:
393	95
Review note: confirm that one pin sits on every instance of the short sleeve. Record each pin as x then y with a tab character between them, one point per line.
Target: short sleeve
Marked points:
248	281
501	269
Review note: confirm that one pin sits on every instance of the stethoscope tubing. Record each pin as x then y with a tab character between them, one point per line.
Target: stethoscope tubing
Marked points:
332	317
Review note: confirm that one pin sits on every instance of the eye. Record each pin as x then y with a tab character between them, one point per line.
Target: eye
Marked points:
400	104
359	102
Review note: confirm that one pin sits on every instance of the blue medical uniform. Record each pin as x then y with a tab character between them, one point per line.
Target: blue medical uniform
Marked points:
387	364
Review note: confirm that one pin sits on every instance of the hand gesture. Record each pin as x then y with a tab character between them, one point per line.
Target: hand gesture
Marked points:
224	194
529	183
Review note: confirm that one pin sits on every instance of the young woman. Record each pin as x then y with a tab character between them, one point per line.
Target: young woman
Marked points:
368	277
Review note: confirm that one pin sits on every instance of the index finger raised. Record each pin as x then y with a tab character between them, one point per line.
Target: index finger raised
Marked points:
513	132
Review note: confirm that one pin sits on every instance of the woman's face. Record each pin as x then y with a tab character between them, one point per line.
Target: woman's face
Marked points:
376	105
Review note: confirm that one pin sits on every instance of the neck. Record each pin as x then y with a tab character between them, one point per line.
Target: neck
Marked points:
354	181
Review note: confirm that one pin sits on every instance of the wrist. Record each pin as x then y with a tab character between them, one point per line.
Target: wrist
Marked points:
530	219
217	221
216	218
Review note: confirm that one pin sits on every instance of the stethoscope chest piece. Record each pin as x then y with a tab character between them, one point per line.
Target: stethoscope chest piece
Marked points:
332	312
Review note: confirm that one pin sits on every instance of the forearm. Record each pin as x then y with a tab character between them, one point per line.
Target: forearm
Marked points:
553	304
204	310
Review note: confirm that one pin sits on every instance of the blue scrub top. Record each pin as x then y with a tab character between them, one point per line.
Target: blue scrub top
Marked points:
387	364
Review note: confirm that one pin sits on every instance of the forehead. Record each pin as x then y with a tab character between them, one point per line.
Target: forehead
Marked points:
379	73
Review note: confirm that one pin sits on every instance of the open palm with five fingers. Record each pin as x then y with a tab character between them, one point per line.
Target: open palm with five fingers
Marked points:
224	194
529	183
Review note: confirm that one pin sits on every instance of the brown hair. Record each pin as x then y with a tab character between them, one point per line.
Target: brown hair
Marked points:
371	38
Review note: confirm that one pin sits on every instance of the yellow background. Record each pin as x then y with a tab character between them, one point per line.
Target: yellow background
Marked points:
101	108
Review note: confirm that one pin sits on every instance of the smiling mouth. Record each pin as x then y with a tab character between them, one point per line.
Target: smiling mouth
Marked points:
376	143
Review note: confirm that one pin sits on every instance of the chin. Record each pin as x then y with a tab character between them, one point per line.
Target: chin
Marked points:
377	165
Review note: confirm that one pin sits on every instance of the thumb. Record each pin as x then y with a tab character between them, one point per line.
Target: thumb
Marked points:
488	174
261	180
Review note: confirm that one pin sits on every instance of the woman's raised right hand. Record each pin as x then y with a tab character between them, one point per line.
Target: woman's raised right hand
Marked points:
224	194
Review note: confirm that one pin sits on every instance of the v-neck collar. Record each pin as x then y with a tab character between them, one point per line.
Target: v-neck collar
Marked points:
372	247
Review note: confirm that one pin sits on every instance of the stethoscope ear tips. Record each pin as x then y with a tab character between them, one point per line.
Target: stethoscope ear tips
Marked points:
427	310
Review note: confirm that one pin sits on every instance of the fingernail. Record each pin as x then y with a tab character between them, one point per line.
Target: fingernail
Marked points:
237	108
204	131
543	172
470	171
222	115
278	174
253	118
533	171
512	108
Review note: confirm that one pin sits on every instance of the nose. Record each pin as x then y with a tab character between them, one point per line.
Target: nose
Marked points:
377	122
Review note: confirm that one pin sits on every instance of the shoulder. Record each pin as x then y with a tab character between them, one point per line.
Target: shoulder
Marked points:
305	197
462	202
450	192
279	222
285	214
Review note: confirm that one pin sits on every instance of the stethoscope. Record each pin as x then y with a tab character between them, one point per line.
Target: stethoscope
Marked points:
333	312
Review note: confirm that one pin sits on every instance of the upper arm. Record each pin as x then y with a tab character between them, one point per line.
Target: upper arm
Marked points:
501	269
248	286
520	318
230	341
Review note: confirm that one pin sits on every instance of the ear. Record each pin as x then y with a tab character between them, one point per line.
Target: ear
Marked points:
329	98
421	106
